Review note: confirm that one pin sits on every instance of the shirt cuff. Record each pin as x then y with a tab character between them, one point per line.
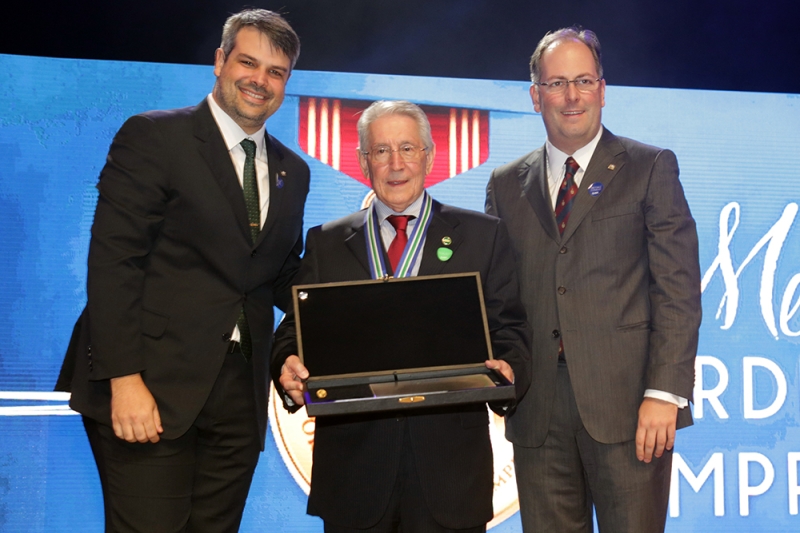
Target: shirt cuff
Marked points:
667	397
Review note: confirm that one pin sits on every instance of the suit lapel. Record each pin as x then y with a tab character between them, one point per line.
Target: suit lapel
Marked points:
212	149
443	228
356	242
533	179
608	159
277	177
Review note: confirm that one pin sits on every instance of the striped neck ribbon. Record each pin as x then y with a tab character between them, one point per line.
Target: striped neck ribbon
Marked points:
413	249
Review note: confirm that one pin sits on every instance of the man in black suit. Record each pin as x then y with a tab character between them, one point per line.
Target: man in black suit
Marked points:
425	470
607	257
197	234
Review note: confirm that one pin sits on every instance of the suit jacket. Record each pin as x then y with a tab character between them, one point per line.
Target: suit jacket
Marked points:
171	262
356	458
621	287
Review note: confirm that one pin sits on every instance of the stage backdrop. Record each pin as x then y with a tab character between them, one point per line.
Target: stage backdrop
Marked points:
736	470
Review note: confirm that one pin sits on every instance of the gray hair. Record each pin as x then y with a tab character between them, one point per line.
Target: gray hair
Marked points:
271	24
587	37
393	107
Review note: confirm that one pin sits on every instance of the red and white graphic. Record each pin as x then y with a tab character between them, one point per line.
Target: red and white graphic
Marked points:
328	133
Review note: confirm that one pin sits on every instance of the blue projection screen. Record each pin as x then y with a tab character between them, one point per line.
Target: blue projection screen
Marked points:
735	470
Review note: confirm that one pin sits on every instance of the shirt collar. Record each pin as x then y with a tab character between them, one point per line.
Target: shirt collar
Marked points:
556	158
232	133
383	211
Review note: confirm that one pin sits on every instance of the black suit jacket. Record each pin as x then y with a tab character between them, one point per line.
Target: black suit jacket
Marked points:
620	287
356	457
171	262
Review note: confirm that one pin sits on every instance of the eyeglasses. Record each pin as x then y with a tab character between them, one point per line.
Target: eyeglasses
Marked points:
382	154
584	85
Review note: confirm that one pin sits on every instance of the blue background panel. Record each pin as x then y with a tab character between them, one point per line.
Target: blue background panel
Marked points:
736	469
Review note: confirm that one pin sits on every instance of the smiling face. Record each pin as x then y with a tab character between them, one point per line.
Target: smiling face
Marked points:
251	80
571	118
397	183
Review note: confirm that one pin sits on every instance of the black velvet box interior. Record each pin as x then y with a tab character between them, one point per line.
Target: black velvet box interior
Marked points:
394	344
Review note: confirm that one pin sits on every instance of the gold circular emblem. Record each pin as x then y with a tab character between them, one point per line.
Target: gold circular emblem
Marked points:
447	241
321	393
294	437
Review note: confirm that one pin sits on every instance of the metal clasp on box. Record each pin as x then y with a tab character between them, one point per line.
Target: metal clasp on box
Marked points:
411	399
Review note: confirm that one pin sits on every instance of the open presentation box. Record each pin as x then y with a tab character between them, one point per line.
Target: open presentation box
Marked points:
396	343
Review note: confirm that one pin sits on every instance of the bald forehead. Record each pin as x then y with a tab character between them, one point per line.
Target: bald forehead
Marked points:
568	57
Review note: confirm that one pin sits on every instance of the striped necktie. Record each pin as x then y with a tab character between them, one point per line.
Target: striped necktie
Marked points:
566	194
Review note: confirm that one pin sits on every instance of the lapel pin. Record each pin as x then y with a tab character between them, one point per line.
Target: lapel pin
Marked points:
444	254
596	188
447	241
612	166
279	179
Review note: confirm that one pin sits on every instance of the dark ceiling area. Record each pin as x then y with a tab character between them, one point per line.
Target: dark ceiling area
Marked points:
734	45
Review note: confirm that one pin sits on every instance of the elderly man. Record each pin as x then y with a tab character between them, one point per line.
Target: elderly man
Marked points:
607	259
197	234
425	470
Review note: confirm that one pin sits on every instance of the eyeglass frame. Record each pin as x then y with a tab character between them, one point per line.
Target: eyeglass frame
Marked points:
548	85
403	155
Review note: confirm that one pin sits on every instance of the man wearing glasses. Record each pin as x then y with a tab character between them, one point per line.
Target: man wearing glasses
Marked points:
607	259
424	470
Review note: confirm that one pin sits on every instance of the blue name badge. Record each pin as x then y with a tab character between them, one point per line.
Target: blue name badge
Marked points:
595	188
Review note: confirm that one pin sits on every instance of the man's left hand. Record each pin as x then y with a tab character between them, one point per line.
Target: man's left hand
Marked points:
502	367
656	430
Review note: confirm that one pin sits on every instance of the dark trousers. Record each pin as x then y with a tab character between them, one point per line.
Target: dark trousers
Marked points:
407	511
562	481
195	483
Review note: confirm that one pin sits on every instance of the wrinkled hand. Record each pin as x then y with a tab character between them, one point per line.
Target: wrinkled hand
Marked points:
656	430
134	413
293	379
502	367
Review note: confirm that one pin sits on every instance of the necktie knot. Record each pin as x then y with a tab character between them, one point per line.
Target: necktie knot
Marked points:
571	167
249	147
399	222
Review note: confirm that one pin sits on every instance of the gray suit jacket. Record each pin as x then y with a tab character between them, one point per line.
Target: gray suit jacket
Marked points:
621	287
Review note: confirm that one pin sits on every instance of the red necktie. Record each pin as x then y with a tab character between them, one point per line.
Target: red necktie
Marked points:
399	223
566	194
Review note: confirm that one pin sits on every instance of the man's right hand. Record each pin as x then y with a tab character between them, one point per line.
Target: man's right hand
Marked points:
134	413
293	379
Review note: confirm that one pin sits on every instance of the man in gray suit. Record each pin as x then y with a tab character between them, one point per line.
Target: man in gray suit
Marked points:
607	259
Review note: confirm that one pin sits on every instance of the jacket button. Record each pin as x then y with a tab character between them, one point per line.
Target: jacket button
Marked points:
253	253
563	250
556	334
226	337
562	290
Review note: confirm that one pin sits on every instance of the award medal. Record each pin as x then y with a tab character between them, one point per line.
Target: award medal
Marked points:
412	250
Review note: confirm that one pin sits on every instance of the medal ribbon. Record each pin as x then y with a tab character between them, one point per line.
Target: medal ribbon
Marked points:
412	250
